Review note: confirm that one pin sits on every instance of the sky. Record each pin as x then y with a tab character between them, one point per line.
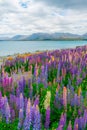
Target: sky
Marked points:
25	17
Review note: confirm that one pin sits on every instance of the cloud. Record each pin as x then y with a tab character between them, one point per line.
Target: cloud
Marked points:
42	16
67	4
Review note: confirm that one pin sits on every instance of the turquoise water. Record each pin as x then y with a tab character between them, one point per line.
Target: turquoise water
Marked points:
14	47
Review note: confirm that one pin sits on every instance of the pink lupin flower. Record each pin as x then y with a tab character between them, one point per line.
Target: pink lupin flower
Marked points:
60	127
76	127
69	126
65	96
10	81
28	107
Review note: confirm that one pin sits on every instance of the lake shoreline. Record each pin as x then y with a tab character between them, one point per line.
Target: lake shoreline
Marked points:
4	58
13	48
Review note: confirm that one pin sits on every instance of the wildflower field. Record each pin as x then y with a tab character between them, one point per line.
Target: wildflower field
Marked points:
44	91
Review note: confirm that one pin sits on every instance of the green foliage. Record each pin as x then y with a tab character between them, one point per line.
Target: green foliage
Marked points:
26	91
11	126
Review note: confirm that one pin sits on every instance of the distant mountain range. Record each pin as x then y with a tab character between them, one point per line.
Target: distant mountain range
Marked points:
46	36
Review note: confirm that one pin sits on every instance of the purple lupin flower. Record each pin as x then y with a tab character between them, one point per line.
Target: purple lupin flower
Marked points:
31	92
81	123
62	120
47	121
29	83
46	75
23	82
21	99
2	109
75	99
35	72
12	114
25	102
76	124
28	120
30	88
7	113
21	116
17	103
20	86
57	96
85	118
0	100
79	112
36	102
37	119
42	71
57	99
17	91
12	98
0	106
33	114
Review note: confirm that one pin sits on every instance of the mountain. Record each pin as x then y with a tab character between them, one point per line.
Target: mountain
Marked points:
85	36
18	37
48	36
4	38
38	36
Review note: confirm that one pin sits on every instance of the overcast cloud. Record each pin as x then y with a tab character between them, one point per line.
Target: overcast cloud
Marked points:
31	16
70	4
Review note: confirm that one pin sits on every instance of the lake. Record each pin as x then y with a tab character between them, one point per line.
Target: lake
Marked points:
14	47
